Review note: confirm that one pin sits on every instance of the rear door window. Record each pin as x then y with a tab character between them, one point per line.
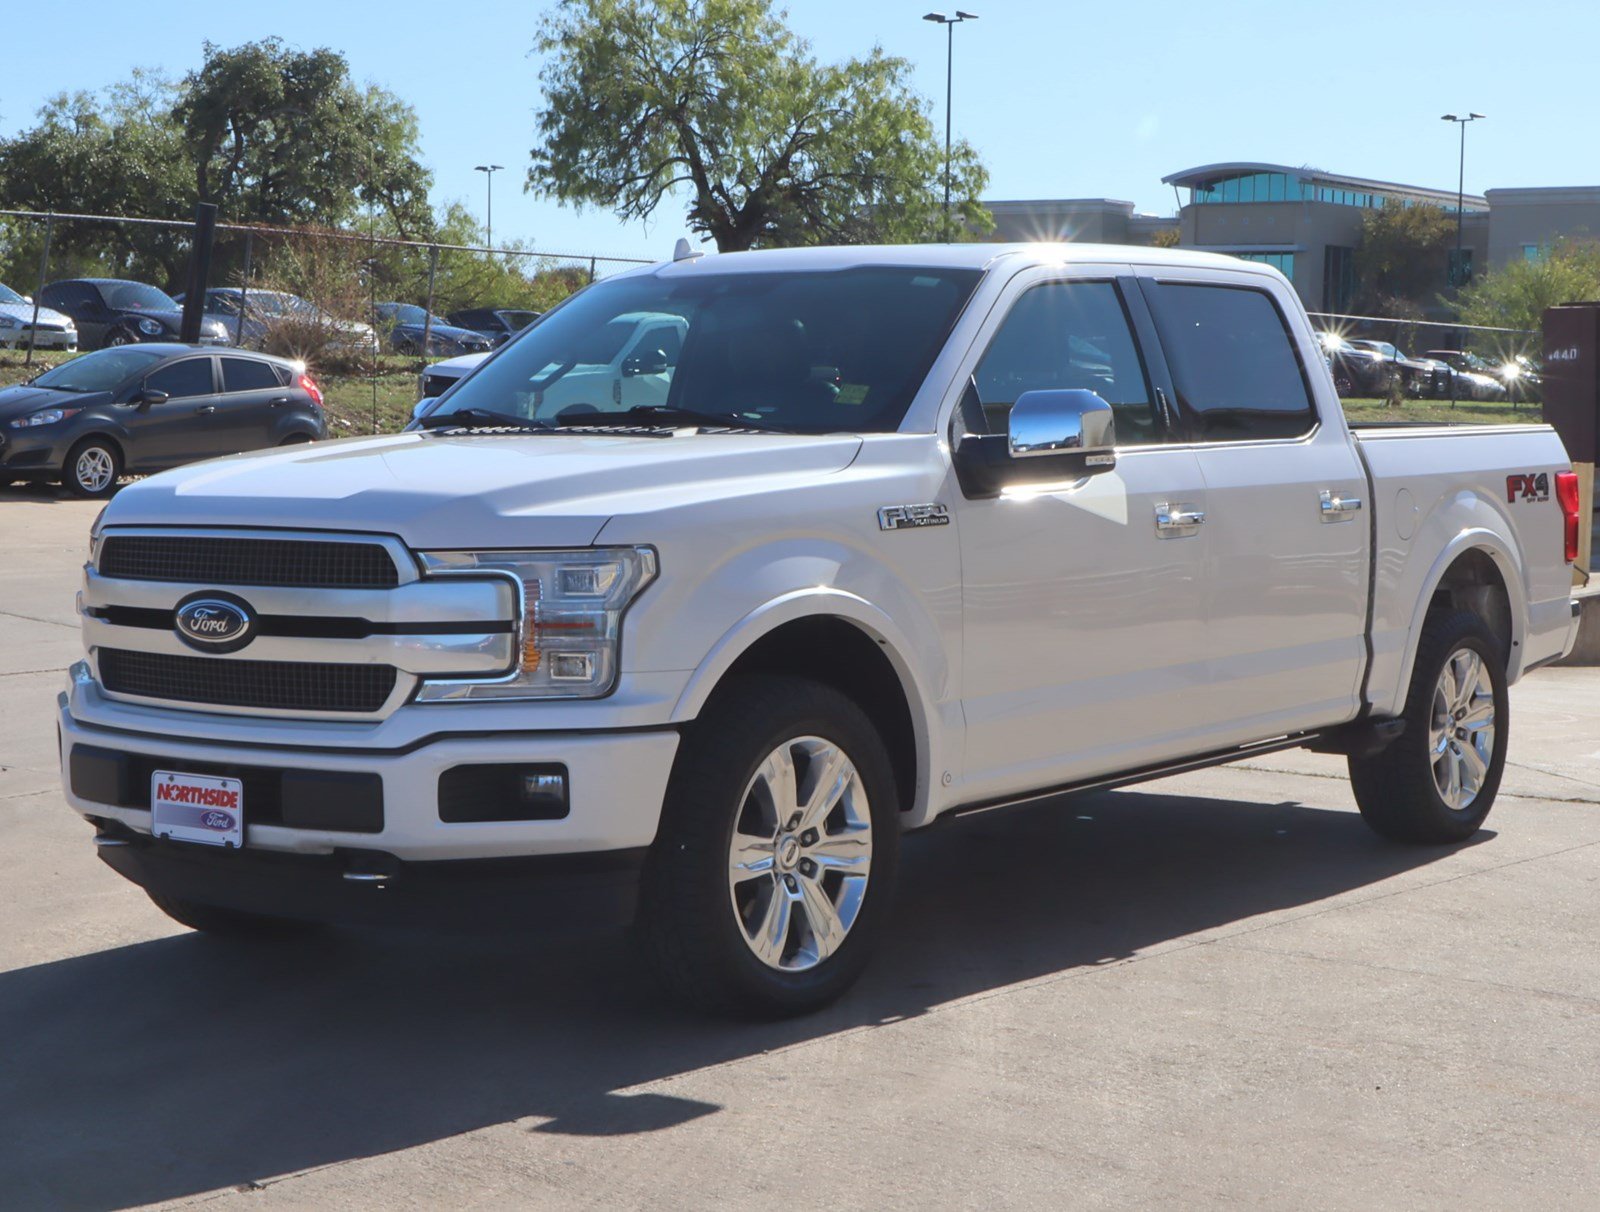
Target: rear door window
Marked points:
1233	362
246	374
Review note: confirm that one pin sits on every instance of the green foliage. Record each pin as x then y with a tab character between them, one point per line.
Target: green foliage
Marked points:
1516	295
1403	258
644	97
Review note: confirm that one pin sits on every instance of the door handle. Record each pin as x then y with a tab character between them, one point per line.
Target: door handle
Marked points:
1174	521
1338	509
277	402
206	408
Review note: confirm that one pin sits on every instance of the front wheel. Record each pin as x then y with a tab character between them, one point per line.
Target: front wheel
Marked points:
92	468
1437	781
775	862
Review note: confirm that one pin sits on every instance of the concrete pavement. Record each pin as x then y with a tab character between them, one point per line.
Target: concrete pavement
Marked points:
1220	989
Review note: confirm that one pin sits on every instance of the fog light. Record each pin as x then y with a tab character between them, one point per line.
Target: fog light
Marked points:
546	792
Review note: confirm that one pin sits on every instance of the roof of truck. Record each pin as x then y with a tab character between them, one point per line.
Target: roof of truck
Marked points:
936	256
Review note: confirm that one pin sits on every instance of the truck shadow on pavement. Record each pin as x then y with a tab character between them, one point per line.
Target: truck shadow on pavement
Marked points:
166	1068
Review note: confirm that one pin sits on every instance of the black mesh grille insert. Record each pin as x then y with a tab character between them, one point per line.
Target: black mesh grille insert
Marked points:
309	563
279	685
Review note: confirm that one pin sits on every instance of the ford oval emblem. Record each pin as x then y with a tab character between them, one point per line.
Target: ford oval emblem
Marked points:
215	818
214	622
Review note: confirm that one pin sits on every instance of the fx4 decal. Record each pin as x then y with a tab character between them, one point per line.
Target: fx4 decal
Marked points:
1528	487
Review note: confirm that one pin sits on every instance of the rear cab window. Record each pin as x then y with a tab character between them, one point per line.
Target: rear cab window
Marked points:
1234	365
246	374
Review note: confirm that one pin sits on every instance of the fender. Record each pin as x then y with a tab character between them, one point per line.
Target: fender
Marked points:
1498	548
836	603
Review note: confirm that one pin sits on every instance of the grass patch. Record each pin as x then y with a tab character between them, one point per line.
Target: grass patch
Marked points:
1491	412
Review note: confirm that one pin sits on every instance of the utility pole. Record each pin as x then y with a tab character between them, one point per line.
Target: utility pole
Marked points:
950	24
1457	278
488	171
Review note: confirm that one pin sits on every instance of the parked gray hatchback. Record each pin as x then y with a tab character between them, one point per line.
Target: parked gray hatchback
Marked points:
144	408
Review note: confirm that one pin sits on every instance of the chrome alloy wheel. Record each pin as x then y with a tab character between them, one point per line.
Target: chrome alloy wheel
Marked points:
801	854
94	469
1461	732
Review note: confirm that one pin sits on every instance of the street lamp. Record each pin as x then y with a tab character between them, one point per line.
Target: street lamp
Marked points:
1461	182
950	24
489	170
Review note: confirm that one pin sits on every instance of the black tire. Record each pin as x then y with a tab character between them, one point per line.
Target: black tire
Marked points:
232	923
296	439
73	469
1396	788
118	337
691	933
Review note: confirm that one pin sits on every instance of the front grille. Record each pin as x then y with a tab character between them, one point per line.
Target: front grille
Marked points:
306	563
270	685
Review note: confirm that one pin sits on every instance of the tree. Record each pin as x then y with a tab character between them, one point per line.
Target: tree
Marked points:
1516	295
643	97
1403	258
282	136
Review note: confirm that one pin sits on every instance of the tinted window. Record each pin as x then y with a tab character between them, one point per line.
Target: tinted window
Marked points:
1064	335
98	371
246	374
190	378
819	352
1233	363
68	295
136	296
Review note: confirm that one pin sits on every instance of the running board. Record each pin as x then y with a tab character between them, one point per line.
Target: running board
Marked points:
1144	774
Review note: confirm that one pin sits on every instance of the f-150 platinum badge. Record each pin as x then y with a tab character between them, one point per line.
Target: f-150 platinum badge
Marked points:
901	517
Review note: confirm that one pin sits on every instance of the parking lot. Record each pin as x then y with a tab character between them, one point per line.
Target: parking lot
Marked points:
1215	990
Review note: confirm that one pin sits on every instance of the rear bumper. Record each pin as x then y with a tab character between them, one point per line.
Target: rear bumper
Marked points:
550	894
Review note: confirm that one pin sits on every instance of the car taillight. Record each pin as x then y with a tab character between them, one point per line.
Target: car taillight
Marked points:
309	386
1567	495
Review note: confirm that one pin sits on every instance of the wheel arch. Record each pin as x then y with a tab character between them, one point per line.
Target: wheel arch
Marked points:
1474	572
842	640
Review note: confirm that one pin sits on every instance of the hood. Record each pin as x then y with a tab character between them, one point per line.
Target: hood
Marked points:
24	312
174	319
21	401
447	331
464	491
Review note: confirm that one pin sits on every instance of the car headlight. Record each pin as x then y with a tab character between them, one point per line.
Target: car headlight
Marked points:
570	621
48	416
151	328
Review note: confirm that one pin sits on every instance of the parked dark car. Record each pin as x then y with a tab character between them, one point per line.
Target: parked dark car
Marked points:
1370	368
149	407
111	312
499	324
403	325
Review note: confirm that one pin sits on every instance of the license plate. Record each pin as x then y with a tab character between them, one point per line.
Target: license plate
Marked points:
197	808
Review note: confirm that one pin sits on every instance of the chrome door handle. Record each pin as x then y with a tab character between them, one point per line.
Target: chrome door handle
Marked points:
1174	521
1338	509
207	408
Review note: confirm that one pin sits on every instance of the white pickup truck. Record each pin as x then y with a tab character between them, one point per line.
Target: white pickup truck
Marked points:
914	531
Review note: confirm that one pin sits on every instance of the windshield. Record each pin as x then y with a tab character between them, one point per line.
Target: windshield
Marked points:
136	296
822	352
7	295
406	313
99	371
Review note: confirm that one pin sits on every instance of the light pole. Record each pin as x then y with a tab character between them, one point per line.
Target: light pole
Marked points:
488	171
1461	183
950	24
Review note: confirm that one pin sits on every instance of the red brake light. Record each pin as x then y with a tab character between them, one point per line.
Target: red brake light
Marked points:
309	386
1567	496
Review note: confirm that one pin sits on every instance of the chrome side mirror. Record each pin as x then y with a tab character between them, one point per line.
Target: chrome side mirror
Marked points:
1063	421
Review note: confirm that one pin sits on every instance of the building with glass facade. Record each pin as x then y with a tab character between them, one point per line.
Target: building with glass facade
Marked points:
1305	222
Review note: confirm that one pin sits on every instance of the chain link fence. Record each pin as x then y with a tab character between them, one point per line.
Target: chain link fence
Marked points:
1383	357
364	311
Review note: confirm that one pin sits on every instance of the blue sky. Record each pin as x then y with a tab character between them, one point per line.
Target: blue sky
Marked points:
1063	99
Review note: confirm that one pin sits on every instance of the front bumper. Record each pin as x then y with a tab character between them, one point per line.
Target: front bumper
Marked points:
35	453
17	338
616	784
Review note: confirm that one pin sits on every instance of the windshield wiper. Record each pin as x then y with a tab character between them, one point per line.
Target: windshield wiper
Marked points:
480	418
668	414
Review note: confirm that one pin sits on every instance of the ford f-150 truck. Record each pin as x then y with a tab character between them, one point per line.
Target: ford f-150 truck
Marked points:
911	532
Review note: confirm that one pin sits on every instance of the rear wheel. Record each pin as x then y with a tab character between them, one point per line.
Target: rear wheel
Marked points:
91	468
120	336
774	866
1437	781
210	919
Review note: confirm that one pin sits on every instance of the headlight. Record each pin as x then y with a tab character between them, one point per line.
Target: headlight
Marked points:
571	618
151	328
48	417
